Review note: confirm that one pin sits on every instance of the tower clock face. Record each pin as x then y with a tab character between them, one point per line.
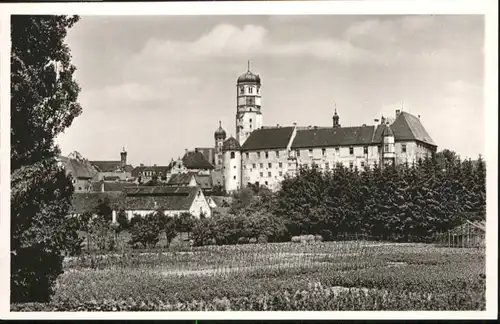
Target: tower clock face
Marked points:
250	101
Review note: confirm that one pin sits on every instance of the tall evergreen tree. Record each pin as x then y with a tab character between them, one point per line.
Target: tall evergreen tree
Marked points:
43	104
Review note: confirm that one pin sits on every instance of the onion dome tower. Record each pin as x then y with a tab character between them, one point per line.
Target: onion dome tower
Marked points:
248	111
220	136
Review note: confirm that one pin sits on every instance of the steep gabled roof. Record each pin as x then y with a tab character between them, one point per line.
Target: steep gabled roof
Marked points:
208	153
204	181
268	138
107	166
167	198
196	160
409	127
180	179
87	201
323	137
79	169
111	186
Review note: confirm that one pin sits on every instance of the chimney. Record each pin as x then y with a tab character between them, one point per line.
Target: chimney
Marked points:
294	124
154	165
418	116
141	165
277	125
397	112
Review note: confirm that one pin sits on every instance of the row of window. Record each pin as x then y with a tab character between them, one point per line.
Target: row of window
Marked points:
250	90
323	151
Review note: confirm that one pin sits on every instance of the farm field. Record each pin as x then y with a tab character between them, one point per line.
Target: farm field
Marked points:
354	275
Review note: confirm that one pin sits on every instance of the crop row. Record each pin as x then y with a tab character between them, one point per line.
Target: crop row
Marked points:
77	287
316	298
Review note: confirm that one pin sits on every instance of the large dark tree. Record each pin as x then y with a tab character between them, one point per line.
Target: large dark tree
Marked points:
43	103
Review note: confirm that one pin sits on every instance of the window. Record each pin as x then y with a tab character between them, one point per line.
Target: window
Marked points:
267	155
234	167
234	177
351	150
261	174
277	154
258	90
253	165
310	152
269	174
265	183
250	119
362	164
337	151
280	165
261	165
323	152
258	155
379	149
351	165
242	90
403	148
365	149
232	155
250	89
281	173
269	165
386	148
246	155
298	152
327	165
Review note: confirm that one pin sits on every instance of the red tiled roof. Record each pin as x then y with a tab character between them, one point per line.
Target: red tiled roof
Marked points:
268	138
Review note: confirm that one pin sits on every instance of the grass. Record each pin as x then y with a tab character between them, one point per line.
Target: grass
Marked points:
276	277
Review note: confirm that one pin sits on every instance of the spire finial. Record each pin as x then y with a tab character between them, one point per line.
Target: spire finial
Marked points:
248	65
220	124
335	104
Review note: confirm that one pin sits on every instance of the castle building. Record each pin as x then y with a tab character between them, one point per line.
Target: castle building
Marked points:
264	155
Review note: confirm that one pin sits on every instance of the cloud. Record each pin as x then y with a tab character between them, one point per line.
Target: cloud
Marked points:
228	40
132	92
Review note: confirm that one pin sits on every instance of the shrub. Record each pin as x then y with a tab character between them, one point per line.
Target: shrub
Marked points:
145	230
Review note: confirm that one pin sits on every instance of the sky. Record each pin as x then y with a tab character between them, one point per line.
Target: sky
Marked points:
157	85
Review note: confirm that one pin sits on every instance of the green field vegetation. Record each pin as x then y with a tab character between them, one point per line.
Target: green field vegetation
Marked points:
287	276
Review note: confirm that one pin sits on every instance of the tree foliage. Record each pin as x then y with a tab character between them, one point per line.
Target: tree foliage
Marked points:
43	103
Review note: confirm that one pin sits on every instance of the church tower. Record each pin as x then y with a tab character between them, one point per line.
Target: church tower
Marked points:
220	136
248	111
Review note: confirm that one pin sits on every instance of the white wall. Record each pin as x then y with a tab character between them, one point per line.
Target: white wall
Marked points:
232	171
